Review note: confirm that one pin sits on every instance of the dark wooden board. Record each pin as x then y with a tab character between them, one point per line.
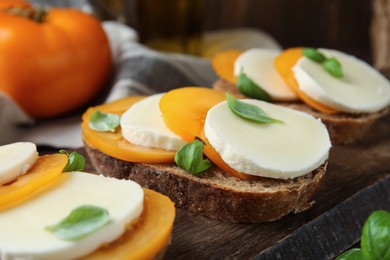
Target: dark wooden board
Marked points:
335	230
357	182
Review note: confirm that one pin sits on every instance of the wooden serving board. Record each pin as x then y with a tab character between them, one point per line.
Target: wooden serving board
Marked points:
357	182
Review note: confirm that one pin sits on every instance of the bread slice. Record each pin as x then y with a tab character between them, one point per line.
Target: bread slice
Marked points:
343	128
214	193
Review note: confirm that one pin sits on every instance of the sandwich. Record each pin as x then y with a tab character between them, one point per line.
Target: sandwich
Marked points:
49	209
234	160
346	93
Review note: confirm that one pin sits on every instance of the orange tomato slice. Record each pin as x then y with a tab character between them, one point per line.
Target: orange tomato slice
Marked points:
46	172
216	158
283	64
114	144
184	111
148	237
223	64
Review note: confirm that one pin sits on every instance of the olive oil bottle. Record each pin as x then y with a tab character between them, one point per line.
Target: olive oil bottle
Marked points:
168	25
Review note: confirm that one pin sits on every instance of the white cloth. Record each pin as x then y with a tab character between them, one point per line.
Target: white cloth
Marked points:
138	71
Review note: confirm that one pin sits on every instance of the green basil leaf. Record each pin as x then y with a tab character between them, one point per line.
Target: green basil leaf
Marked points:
249	111
353	254
333	66
314	55
76	161
190	158
375	242
250	89
80	223
104	122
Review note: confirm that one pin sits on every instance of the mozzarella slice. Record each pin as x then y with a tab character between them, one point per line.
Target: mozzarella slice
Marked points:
142	124
22	228
278	150
362	89
16	159
258	65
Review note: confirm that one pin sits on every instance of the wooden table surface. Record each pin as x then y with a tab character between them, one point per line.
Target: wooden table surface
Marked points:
357	182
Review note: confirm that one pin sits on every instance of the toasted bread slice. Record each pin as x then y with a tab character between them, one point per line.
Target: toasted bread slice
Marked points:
214	193
343	128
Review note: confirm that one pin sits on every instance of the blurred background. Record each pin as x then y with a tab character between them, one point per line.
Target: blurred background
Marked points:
361	27
343	25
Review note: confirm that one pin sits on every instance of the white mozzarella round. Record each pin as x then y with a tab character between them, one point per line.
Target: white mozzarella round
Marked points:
258	65
16	159
362	89
23	234
277	150
142	124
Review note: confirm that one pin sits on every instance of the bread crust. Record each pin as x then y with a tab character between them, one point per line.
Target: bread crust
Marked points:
343	128
215	194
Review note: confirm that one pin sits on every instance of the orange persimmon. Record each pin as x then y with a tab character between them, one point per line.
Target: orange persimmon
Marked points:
52	62
114	144
148	237
283	64
45	173
223	64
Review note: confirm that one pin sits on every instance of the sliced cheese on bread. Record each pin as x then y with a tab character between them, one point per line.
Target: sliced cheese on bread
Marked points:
228	198
258	65
362	89
278	150
16	159
142	124
23	234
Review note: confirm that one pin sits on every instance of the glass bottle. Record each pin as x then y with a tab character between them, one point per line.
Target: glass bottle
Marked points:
168	25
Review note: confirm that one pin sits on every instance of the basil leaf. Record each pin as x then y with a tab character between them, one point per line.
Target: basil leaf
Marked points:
376	236
314	55
353	254
249	111
251	89
80	223
104	122
333	66
190	158
76	161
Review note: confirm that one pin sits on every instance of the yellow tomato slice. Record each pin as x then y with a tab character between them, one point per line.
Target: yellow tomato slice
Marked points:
216	158
114	144
223	64
283	64
148	237
46	173
184	111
